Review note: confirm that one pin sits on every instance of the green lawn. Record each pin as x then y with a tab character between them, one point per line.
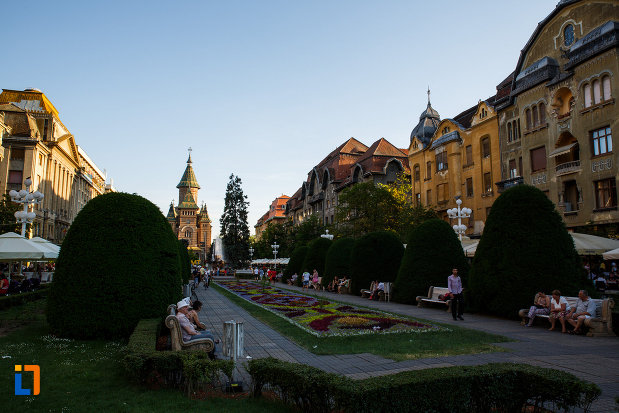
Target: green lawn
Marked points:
403	346
80	376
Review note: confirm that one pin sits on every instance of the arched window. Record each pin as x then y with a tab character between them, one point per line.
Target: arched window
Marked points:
528	117
188	234
535	116
429	170
542	113
485	147
416	173
597	95
586	91
606	87
510	136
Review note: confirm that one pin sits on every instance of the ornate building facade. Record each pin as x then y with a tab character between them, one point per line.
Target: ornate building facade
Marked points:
557	125
188	220
38	145
275	214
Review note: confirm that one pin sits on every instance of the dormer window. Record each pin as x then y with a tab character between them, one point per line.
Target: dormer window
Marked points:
568	35
446	130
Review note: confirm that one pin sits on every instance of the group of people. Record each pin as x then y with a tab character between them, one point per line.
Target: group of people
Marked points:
270	274
16	287
339	285
202	275
604	278
191	326
557	308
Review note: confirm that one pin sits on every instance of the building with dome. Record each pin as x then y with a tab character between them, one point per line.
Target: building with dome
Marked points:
189	221
457	157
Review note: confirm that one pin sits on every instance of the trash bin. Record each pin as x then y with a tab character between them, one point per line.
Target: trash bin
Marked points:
233	341
186	290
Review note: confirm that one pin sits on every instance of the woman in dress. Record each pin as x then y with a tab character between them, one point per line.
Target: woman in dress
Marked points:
192	315
540	307
558	310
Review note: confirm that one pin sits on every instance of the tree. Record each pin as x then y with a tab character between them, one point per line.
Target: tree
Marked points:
119	263
7	215
315	257
375	256
310	229
233	222
296	261
364	208
525	248
337	261
432	251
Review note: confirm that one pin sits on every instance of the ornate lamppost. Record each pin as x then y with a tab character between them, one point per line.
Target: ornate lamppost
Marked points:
26	198
459	213
327	235
251	255
275	247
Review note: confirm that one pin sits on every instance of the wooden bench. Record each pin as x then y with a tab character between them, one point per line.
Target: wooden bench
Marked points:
367	293
600	325
202	344
345	288
432	297
385	295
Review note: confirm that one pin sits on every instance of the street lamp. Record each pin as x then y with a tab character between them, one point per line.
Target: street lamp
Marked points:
459	213
275	248
251	254
26	198
326	235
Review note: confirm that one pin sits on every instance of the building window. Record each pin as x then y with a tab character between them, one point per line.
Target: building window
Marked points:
18	153
597	91
538	159
509	132
485	147
568	35
469	187
605	193
606	87
469	155
587	93
597	95
429	197
542	113
15	177
428	170
442	193
188	234
512	168
445	130
602	141
527	115
416	173
487	183
441	161
535	116
418	198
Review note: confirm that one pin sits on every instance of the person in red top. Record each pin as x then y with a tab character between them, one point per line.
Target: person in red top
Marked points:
272	274
4	285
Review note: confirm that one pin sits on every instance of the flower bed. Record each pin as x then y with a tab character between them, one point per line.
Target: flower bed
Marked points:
322	317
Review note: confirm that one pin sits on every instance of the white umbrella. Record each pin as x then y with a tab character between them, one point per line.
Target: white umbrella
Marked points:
53	249
593	245
16	247
611	255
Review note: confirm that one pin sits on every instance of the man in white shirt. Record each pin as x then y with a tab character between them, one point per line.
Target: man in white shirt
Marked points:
454	284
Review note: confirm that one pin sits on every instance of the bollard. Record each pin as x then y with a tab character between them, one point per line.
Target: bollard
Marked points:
187	290
233	339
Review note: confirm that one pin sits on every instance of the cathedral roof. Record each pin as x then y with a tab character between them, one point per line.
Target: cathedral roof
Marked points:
428	122
189	178
188	202
204	214
171	212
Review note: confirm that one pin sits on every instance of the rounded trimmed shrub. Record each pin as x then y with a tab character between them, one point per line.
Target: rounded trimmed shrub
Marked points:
296	261
337	261
316	254
525	248
375	256
118	264
432	251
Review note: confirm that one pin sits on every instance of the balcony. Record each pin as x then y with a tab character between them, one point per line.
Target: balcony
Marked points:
568	168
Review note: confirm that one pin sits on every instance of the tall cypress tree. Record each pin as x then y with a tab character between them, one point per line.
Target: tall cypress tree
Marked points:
234	226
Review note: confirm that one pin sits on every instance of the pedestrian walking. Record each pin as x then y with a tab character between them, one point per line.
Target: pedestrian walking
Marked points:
454	284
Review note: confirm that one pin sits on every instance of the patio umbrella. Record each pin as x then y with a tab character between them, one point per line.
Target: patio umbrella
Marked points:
16	247
611	255
593	245
53	249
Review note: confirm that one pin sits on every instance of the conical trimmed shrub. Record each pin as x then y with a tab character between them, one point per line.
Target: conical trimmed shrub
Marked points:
316	254
525	248
337	262
118	264
375	256
296	262
432	251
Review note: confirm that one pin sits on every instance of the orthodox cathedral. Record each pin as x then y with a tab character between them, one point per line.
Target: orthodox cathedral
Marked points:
188	220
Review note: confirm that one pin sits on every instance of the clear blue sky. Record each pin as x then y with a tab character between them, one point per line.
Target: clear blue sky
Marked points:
262	89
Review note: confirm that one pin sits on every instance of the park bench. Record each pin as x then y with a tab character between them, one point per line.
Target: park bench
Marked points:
600	325
432	297
202	344
345	288
366	293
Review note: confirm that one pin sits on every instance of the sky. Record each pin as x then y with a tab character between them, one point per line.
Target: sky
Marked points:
261	89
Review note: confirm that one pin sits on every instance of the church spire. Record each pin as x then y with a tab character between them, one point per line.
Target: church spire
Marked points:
188	179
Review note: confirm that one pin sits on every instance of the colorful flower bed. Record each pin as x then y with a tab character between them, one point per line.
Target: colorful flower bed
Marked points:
322	317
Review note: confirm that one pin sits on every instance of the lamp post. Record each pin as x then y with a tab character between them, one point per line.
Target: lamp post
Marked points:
459	213
26	198
326	235
251	255
275	248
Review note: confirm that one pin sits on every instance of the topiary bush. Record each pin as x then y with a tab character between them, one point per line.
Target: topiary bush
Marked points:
185	262
525	248
118	264
432	251
375	256
316	254
337	261
296	261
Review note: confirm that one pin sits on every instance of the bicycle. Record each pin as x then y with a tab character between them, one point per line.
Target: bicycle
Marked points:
194	296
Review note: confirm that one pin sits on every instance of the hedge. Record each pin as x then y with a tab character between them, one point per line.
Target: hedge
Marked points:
12	300
185	262
432	251
495	387
119	260
296	261
316	254
375	256
189	370
337	261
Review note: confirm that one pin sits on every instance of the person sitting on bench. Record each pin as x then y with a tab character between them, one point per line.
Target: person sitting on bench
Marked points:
188	330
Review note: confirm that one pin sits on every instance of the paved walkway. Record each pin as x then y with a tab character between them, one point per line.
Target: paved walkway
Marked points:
592	359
